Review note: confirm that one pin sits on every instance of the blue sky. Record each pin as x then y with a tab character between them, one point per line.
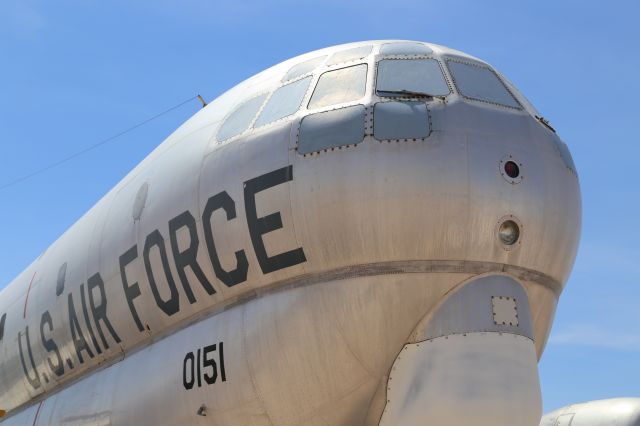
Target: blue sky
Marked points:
75	72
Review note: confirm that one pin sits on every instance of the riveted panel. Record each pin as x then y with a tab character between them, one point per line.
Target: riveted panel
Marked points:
480	379
349	55
505	310
344	126
303	68
400	120
405	48
494	303
563	150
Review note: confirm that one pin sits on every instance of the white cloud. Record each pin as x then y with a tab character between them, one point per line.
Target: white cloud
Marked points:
594	336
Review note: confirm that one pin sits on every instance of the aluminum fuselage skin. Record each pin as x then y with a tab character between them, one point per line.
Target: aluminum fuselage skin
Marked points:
604	412
326	264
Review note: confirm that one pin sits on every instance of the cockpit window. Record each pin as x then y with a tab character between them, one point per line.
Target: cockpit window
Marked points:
285	101
240	119
340	86
480	83
303	68
410	77
353	54
405	48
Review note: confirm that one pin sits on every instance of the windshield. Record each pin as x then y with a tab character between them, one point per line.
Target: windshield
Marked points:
285	101
480	83
240	119
340	86
409	77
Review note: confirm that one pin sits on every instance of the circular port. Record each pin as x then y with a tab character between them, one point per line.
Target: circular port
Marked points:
509	232
511	169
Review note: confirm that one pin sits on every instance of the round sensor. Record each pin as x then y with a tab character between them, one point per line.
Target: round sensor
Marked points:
509	232
511	169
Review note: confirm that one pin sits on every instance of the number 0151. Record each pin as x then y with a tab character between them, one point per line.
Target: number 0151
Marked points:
206	364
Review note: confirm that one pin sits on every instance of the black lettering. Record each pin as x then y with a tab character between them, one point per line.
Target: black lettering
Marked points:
209	362
263	225
99	312
172	305
86	320
188	384
223	375
79	342
188	257
35	380
130	291
50	345
193	371
238	275
198	374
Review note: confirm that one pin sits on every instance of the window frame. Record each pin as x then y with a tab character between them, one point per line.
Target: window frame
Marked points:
266	95
520	107
443	71
301	106
321	60
317	79
331	62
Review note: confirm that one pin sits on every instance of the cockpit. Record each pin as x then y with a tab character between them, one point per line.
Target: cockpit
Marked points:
382	91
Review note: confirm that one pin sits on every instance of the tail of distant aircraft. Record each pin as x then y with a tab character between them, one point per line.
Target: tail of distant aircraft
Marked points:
606	412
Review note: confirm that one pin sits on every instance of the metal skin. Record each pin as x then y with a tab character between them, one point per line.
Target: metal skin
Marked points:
351	254
606	412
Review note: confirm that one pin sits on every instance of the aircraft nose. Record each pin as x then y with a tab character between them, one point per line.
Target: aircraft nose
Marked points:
435	180
523	187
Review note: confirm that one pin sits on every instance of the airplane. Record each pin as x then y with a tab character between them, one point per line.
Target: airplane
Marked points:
371	233
612	412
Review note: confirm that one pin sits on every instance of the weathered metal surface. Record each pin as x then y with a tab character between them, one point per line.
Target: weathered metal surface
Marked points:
605	412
